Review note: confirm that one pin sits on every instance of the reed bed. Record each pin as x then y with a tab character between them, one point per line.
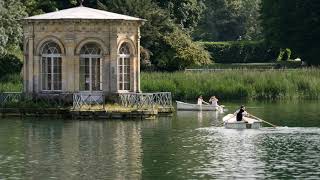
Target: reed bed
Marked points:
237	84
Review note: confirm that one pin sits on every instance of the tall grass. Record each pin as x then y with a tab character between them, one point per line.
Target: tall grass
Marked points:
237	84
11	83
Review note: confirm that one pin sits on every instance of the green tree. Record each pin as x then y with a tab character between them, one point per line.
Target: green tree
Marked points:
225	20
160	35
186	13
11	11
293	24
35	7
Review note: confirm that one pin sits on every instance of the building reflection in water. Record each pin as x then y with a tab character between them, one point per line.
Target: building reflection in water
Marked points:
86	149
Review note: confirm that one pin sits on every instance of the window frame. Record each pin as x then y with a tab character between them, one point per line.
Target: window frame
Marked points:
90	57
122	67
52	57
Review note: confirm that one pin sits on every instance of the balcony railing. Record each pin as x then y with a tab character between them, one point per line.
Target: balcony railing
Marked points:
88	101
146	100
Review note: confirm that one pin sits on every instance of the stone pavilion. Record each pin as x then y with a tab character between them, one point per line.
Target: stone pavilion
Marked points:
81	50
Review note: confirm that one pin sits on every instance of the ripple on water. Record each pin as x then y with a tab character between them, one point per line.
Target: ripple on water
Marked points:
266	153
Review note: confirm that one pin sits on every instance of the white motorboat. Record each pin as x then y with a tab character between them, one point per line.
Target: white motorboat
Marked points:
230	122
196	107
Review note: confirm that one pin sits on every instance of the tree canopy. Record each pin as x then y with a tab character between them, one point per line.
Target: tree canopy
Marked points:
11	11
226	20
293	24
173	26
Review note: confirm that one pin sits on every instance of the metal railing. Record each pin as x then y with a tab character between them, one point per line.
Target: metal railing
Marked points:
146	100
10	98
88	101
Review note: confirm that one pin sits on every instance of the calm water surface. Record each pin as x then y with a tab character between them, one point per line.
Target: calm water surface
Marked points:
190	145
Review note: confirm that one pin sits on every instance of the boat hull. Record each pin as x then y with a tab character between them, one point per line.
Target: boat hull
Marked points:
230	122
195	107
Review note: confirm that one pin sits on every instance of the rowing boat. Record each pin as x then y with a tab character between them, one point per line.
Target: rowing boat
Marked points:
196	107
230	122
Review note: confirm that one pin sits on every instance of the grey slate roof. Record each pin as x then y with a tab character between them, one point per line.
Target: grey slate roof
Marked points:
83	13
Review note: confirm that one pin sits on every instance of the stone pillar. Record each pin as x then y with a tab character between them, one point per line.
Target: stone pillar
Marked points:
105	73
68	66
25	64
36	74
76	73
138	61
133	70
30	66
113	60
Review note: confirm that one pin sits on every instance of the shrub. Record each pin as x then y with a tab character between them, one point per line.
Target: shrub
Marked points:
241	51
9	64
185	51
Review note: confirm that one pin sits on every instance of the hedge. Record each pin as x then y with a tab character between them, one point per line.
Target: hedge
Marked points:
241	51
9	64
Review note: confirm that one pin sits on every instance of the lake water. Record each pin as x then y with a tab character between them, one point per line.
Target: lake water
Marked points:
189	145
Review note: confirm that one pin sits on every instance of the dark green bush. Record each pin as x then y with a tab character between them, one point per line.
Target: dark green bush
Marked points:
9	64
241	52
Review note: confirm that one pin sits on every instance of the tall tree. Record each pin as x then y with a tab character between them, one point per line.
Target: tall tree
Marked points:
294	24
186	13
225	20
35	7
160	34
11	11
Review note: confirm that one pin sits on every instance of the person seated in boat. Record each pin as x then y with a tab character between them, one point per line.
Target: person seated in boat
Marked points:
201	101
241	113
214	101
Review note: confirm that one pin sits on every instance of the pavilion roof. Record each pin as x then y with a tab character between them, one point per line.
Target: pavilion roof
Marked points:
84	13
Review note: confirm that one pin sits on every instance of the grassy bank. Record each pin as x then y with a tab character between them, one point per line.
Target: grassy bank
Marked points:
11	83
237	84
227	84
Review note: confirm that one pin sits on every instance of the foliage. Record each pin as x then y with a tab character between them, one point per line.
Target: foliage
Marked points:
171	48
226	20
187	52
11	83
236	84
35	7
11	11
10	64
241	51
186	13
284	55
294	24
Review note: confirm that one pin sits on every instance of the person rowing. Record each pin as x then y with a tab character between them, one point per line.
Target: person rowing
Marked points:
201	101
241	113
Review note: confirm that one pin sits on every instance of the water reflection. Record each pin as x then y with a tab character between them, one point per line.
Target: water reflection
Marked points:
189	145
86	149
202	117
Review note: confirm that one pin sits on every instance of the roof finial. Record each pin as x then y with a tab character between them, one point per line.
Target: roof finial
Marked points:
81	1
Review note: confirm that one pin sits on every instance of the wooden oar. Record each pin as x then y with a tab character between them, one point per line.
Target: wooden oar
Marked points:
263	121
229	118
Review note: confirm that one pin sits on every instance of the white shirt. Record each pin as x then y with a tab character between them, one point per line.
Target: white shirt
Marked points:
214	102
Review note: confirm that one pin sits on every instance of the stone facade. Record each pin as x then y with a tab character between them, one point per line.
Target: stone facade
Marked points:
70	36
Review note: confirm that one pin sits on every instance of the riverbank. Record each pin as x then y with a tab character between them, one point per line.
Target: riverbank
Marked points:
237	84
229	84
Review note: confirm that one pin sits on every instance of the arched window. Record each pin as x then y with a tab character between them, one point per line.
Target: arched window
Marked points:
124	67
90	68
51	67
